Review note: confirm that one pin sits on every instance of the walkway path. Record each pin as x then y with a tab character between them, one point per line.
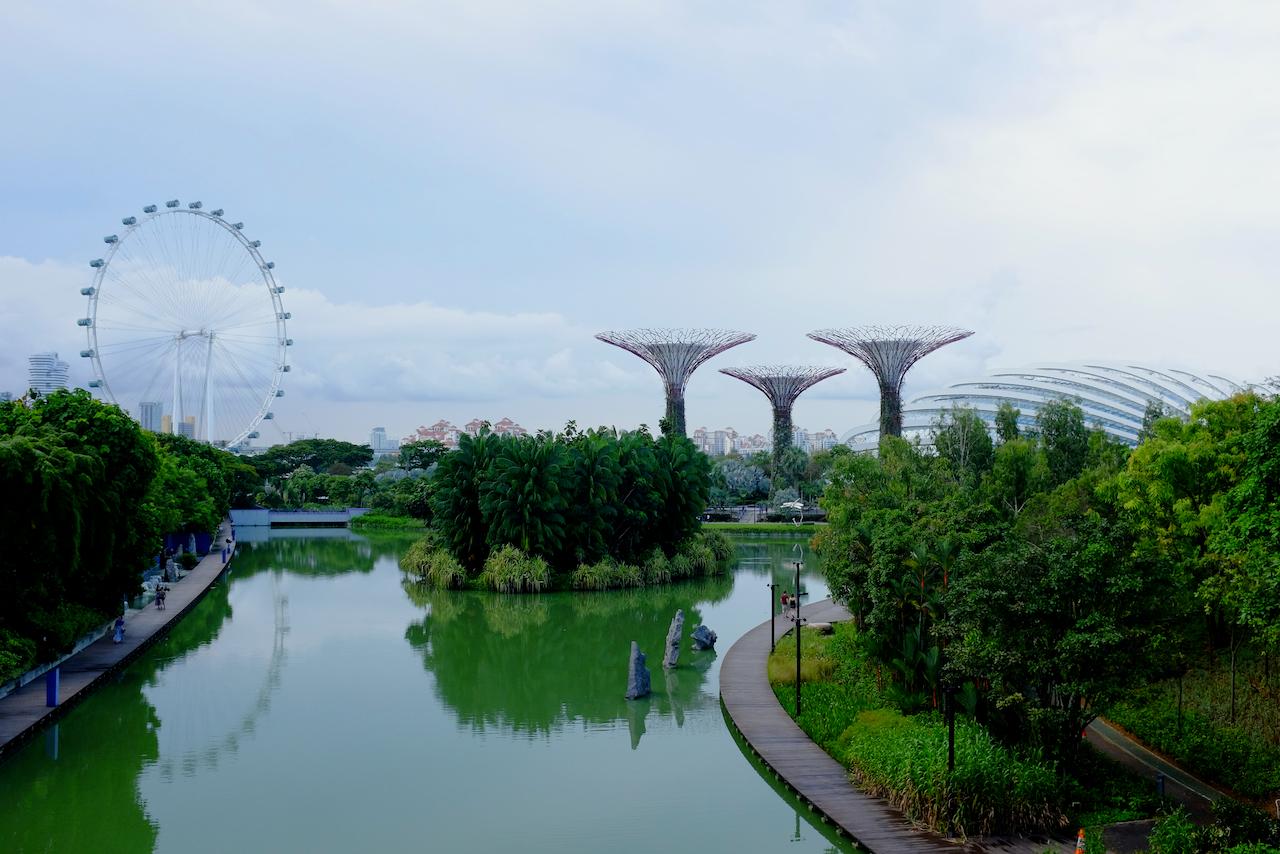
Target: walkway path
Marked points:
1195	794
805	767
23	712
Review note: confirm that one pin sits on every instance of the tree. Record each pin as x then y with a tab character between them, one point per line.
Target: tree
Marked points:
1019	471
1060	618
456	506
1065	439
421	454
317	454
1006	422
960	437
521	497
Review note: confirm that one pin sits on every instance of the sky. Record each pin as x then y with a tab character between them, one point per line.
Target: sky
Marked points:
457	197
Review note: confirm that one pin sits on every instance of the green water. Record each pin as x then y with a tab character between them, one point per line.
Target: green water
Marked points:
314	702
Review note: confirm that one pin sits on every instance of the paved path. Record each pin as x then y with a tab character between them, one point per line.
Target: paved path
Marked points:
1195	794
805	767
23	712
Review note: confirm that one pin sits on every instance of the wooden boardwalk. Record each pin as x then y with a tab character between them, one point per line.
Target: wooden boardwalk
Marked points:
802	765
23	713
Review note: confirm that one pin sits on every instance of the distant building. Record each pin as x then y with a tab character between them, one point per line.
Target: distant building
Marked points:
46	373
824	440
6	396
447	433
151	415
715	443
166	423
187	427
381	444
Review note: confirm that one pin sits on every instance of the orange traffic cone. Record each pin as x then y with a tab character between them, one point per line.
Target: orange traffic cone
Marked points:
1080	842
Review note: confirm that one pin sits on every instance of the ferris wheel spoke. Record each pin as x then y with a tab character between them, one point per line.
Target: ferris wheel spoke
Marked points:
121	283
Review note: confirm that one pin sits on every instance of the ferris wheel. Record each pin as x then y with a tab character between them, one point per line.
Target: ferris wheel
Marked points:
186	327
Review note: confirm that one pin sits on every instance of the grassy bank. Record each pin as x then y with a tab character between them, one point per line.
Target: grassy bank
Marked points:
384	522
903	758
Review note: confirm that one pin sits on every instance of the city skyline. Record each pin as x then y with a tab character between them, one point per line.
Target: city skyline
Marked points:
1089	184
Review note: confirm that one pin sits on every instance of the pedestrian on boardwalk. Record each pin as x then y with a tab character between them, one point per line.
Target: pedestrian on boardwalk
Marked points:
119	633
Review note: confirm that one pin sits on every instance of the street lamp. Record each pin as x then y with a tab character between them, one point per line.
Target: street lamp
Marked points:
773	610
799	622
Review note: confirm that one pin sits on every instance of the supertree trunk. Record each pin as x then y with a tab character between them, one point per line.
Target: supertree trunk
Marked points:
781	434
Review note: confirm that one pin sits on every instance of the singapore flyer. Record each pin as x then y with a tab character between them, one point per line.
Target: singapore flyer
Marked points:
186	327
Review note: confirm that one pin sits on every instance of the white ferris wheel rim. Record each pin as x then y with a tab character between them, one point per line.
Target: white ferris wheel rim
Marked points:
102	267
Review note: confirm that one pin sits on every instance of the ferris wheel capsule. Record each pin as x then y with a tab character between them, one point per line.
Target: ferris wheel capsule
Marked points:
129	220
172	204
149	209
195	206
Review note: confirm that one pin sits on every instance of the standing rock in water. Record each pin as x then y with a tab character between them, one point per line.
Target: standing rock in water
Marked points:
673	640
703	638
637	674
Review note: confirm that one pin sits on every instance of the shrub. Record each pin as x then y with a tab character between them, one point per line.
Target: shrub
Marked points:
656	569
509	570
433	564
681	566
17	654
1174	834
188	560
606	574
721	546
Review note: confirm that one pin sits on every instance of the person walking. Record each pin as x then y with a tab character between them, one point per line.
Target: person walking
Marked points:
119	632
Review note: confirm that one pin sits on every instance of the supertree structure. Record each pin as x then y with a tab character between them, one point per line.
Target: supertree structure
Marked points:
674	354
782	384
889	352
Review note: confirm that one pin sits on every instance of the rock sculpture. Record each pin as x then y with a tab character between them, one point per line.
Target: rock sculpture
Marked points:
637	674
703	638
673	640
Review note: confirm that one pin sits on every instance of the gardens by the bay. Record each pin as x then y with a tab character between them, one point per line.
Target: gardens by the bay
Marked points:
1009	586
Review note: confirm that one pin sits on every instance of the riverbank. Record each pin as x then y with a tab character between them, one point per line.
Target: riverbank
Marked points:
23	713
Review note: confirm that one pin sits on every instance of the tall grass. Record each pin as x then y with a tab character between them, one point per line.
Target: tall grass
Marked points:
433	565
509	570
904	761
606	574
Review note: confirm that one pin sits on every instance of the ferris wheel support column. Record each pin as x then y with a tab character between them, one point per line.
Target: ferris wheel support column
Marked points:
208	395
177	388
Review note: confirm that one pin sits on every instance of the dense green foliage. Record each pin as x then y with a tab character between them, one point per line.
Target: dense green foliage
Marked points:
903	758
1046	576
1236	829
570	499
86	496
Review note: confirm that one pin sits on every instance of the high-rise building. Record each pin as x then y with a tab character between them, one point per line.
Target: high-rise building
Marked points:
6	396
166	423
381	444
150	415
46	373
187	427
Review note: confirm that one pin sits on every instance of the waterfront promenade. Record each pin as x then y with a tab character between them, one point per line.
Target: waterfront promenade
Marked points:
803	766
23	712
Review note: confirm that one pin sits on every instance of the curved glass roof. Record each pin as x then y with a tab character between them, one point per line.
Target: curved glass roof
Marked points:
1113	395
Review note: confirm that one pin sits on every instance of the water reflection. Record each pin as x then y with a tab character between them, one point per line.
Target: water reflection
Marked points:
532	664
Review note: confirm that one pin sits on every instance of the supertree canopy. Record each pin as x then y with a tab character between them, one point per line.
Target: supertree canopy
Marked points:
782	384
674	354
889	352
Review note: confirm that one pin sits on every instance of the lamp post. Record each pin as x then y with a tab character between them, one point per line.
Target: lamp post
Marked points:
773	610
799	621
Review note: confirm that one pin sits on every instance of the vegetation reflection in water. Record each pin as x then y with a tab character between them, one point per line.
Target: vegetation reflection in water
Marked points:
223	737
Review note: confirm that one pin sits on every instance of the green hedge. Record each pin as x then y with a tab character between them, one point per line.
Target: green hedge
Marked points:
1224	754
